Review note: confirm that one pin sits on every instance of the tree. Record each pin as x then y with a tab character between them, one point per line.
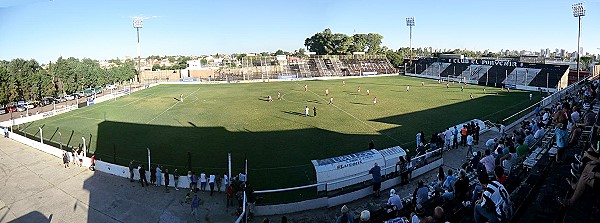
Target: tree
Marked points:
155	67
585	62
369	43
280	52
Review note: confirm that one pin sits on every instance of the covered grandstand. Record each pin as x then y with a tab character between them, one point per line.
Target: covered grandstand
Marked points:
498	73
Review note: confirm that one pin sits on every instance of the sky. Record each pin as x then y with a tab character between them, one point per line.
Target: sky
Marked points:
102	29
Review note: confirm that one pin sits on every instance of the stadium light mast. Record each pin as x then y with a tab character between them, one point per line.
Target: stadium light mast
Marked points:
138	22
410	22
578	11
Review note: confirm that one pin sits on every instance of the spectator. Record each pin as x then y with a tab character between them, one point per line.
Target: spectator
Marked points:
218	183
143	176
589	178
490	143
195	182
508	161
561	141
421	194
499	174
65	159
455	138
438	215
539	133
470	144
488	161
449	182
476	133
230	195
394	204
529	139
190	180
195	205
376	173
284	219
461	186
176	178
418	215
463	135
494	205
225	180
211	183
250	199
158	176
131	169
203	181
152	176
166	176
346	216
365	216
266	220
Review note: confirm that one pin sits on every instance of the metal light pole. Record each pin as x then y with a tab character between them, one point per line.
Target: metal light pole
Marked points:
138	22
578	11
410	22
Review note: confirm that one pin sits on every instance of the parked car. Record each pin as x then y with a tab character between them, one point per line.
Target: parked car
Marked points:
59	99
21	108
46	101
110	87
69	97
11	108
3	111
30	104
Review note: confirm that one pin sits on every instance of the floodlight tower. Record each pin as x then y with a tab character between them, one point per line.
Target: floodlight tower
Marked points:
578	11
410	22
138	22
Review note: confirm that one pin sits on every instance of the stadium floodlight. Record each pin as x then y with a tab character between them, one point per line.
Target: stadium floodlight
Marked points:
578	11
410	22
138	22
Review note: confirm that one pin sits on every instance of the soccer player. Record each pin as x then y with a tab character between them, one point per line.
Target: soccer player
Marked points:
422	83
278	95
306	112
270	99
447	85
315	111
326	91
470	95
331	100
358	90
530	96
375	100
181	97
483	90
368	92
407	87
344	83
462	88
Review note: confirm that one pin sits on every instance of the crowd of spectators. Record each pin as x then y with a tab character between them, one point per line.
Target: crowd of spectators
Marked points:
480	186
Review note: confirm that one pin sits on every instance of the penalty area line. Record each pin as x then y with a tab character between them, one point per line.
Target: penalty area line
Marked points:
169	108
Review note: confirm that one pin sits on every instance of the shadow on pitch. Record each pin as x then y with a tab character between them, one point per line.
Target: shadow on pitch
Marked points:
293	113
359	103
263	99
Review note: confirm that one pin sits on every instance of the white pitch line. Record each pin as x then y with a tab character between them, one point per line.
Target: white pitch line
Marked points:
169	108
367	124
96	119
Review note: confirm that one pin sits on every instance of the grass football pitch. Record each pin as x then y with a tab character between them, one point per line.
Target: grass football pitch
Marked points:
276	137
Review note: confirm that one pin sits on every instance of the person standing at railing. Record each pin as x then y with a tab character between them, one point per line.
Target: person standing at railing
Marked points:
131	169
375	171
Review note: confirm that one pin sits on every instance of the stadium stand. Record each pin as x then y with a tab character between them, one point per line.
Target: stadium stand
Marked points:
523	74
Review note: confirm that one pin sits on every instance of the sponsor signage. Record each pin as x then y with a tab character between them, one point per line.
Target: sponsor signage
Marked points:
287	76
357	165
505	63
188	80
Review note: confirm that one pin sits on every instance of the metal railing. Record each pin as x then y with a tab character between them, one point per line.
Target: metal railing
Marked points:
551	99
244	215
417	162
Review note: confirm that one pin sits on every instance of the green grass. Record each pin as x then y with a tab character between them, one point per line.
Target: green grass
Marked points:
277	139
